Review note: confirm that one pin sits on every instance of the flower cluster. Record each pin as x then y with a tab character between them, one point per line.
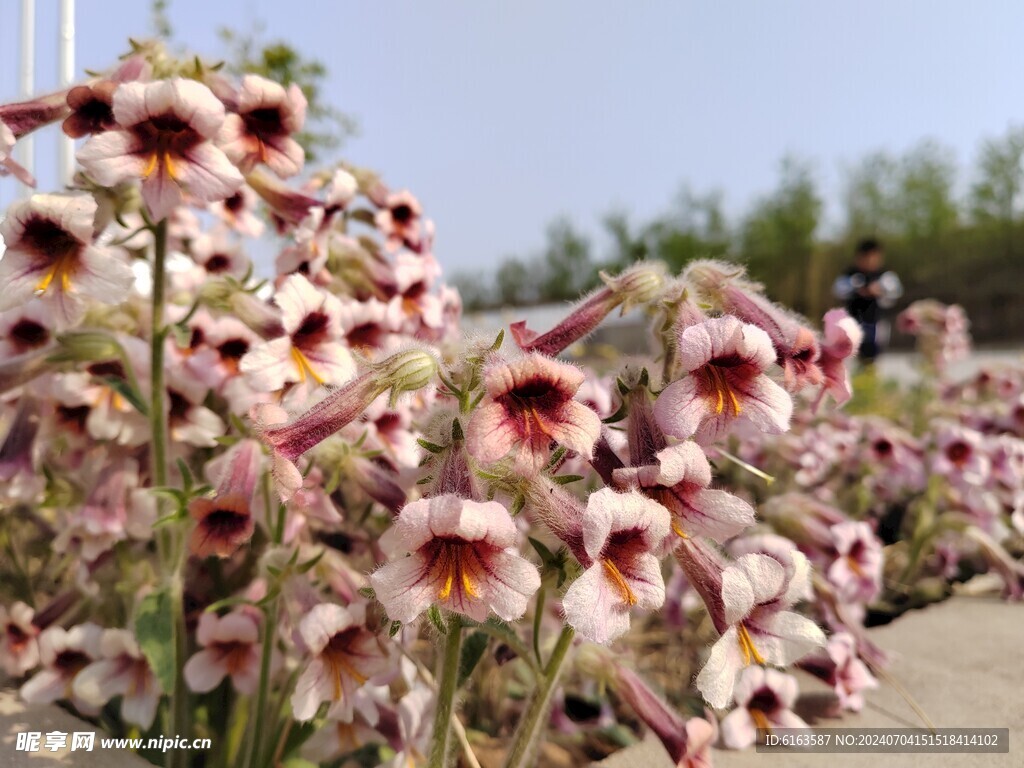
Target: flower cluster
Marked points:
244	502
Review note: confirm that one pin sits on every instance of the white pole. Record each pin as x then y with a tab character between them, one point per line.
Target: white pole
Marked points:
66	63
24	149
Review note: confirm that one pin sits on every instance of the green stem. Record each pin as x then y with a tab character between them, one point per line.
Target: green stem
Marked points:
535	718
447	682
257	738
157	332
256	735
171	559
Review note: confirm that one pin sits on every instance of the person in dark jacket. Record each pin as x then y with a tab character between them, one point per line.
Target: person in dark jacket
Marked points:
868	289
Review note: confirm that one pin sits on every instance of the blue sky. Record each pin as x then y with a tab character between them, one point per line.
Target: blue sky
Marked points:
503	115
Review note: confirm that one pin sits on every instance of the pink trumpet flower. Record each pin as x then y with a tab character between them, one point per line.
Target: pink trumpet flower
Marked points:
261	131
726	360
50	254
679	478
529	406
462	557
311	351
19	646
749	602
225	522
63	654
765	699
122	671
621	534
230	648
842	340
165	139
346	656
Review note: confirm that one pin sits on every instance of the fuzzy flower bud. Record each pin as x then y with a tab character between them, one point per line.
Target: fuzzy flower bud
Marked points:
406	371
637	285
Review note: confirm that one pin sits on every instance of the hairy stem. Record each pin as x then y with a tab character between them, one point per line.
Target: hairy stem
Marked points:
534	721
447	683
171	559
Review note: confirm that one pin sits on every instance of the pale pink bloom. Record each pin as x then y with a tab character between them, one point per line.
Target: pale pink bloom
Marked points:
225	522
400	221
50	254
230	648
840	667
726	360
462	556
843	336
188	420
345	656
219	255
856	573
764	699
288	206
529	406
960	455
621	534
24	329
415	713
112	512
121	670
392	429
413	277
168	127
261	131
238	212
22	118
756	624
371	326
796	346
311	351
679	477
19	647
63	653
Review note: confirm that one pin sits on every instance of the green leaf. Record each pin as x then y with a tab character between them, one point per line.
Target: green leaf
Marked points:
154	630
428	446
545	554
457	435
566	479
473	649
434	614
368	593
124	389
395	627
498	340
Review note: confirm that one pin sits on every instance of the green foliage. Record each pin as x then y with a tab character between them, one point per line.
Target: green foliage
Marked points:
966	250
154	630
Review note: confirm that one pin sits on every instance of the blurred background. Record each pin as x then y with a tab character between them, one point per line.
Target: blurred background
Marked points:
549	141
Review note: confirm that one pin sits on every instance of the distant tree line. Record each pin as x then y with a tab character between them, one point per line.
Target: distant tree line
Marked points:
957	242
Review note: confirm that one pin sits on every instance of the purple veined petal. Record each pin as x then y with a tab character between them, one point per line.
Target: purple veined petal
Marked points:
719	515
594	608
314	686
718	676
643	576
204	671
511	581
160	190
765	404
737	594
766	575
207	174
269	366
491	434
738	729
102	276
405	587
579	429
680	408
112	157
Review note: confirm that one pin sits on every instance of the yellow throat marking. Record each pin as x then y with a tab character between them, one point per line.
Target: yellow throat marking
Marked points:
305	368
722	393
616	576
455	569
750	652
